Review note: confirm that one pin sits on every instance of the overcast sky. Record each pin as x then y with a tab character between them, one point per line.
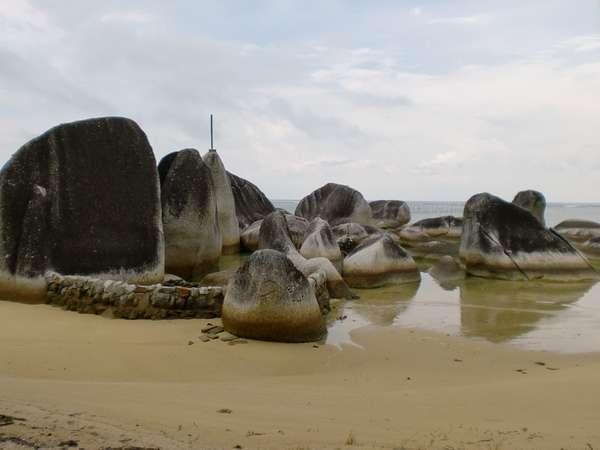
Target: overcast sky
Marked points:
412	100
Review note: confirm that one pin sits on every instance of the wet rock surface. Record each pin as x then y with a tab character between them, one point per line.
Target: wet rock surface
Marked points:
269	299
379	261
274	234
578	230
390	213
502	240
226	212
534	202
297	226
251	204
433	237
190	220
320	242
336	204
46	190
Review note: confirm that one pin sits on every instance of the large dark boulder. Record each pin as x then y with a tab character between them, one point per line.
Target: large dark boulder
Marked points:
379	261
390	213
250	202
336	204
82	198
502	240
532	201
269	299
189	208
228	224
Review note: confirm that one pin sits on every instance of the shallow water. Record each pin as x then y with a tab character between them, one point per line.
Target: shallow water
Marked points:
535	315
561	317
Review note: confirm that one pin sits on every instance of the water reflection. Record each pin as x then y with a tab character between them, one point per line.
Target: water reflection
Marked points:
500	311
535	315
381	306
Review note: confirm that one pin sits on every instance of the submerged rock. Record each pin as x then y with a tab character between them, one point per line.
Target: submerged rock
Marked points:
269	299
390	213
320	241
534	202
578	230
228	224
250	203
502	240
274	234
82	198
336	204
191	227
379	261
432	237
297	226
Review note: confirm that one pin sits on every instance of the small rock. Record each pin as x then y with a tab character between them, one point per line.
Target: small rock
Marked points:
237	341
69	443
204	338
225	411
212	329
190	342
226	337
540	363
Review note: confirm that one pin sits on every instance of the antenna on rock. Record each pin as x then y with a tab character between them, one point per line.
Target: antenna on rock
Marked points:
212	149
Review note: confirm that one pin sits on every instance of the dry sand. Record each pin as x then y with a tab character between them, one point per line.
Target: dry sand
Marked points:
116	383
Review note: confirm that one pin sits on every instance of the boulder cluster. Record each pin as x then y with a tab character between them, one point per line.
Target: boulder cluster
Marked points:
89	221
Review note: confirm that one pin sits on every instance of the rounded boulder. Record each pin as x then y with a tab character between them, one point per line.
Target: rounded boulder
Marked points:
269	299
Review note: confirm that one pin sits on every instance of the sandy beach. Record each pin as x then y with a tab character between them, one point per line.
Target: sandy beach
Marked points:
100	382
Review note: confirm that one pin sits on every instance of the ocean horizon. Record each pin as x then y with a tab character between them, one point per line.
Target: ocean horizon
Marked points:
556	212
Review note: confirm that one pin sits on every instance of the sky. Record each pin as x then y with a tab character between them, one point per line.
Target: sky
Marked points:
408	100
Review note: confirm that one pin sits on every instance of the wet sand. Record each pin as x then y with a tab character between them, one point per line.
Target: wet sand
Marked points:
103	382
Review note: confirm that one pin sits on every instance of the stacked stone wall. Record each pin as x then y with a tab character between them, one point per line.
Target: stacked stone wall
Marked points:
133	301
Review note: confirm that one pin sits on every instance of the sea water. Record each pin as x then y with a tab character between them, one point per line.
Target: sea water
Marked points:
555	212
534	315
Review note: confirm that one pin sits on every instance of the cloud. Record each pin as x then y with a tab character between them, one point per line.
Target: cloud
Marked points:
135	17
476	19
377	98
586	43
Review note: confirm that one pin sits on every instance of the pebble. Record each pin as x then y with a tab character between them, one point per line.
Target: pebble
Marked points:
213	329
226	337
204	338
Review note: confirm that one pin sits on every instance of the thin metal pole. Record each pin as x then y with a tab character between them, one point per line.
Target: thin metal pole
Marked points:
211	133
